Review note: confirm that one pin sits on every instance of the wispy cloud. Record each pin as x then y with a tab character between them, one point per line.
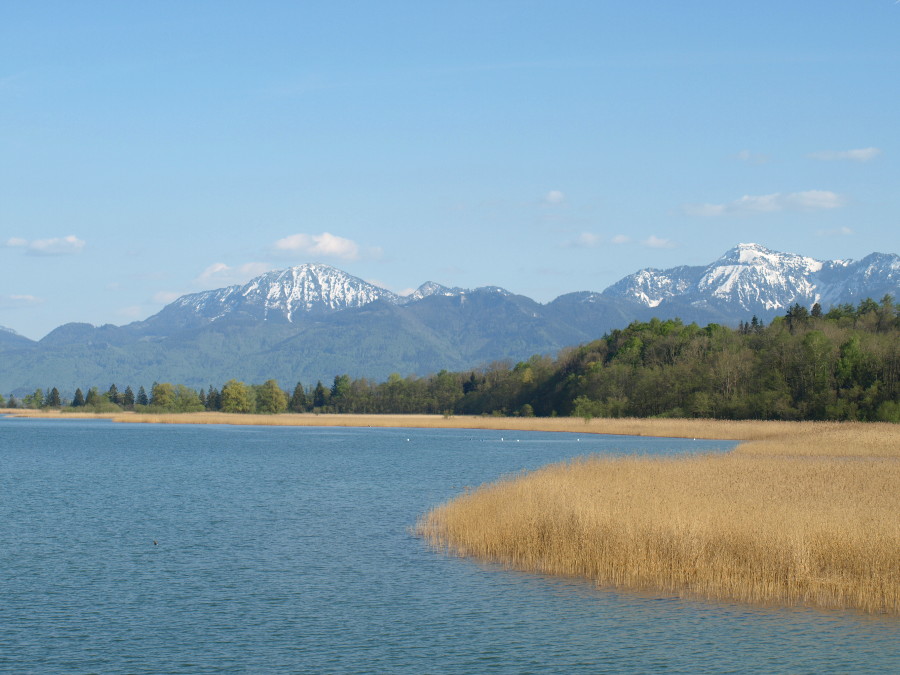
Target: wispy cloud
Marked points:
70	245
554	197
810	200
219	274
858	155
836	232
620	239
18	301
325	245
584	240
752	157
658	242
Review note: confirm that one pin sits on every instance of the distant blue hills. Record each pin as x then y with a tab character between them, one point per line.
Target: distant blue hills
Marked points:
313	321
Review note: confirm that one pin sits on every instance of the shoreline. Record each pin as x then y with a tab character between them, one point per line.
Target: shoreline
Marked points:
708	429
797	513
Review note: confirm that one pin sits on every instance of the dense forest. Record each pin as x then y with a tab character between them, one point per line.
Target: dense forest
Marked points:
807	364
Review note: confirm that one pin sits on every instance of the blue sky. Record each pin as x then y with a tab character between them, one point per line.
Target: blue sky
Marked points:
149	150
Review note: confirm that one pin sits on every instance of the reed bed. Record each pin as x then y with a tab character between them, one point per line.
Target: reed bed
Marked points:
804	517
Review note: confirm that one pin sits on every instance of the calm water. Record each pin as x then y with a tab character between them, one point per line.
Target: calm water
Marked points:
288	550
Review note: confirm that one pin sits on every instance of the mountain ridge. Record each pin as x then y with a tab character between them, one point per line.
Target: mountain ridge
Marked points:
314	321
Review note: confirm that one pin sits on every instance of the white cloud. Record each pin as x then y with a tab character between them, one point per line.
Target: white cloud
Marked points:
620	239
658	242
836	232
858	155
809	200
554	197
325	245
17	301
219	274
752	157
70	245
584	240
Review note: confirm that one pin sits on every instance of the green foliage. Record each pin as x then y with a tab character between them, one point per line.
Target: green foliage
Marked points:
586	408
186	399
320	396
162	395
270	399
52	400
237	397
34	400
299	402
93	397
841	365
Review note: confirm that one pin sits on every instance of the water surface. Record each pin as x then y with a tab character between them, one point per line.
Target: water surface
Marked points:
287	549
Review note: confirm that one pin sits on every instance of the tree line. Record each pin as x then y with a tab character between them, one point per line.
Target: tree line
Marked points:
843	364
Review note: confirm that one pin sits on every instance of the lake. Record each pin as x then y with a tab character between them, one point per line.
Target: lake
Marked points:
209	549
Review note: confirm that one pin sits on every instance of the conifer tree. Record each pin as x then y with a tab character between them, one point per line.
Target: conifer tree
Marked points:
142	398
299	402
113	394
93	397
128	398
213	399
320	395
52	400
78	400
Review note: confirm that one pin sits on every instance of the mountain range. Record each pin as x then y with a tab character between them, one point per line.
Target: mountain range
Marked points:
314	321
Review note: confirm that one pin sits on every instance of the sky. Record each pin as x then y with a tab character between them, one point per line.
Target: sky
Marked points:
153	149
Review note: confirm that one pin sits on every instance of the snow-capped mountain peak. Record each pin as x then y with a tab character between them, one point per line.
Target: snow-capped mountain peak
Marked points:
282	295
747	279
430	288
756	279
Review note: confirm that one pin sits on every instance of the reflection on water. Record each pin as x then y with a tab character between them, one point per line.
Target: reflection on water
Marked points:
288	549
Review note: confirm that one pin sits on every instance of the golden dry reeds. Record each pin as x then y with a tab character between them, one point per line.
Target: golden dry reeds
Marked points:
811	515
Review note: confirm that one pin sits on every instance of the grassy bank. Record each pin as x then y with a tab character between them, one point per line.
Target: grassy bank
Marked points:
806	513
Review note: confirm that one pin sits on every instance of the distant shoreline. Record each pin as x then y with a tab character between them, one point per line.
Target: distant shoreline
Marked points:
736	430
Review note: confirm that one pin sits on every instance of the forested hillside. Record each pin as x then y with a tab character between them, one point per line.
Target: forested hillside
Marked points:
839	365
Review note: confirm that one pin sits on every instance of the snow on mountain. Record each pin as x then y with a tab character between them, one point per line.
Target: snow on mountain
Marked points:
651	286
753	278
747	279
282	295
430	288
